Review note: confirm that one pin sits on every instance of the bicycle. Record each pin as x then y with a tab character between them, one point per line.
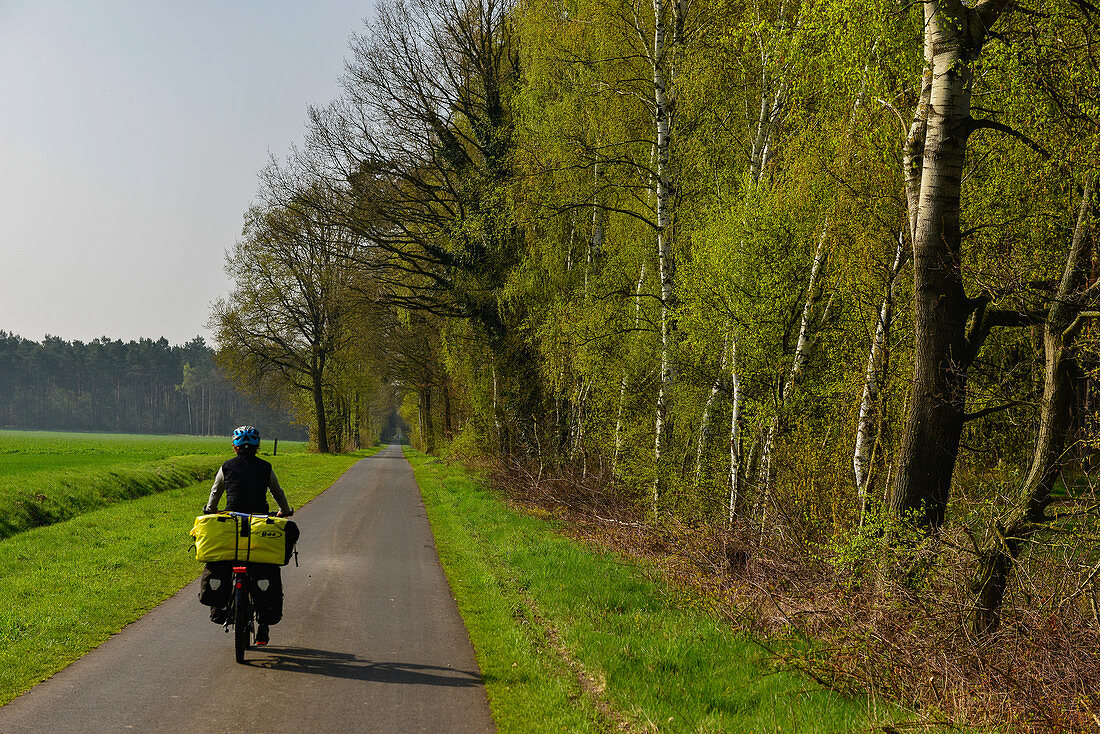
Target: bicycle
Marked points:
241	615
241	611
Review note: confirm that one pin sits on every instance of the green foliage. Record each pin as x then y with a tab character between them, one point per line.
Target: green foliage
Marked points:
294	322
500	189
495	169
882	544
144	386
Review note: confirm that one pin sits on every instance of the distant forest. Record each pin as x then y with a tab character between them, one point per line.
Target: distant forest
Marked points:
126	387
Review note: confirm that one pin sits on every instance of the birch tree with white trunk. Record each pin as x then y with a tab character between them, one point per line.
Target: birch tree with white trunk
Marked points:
944	348
771	103
667	35
862	455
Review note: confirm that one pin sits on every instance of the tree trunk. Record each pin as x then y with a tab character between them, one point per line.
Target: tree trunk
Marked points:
575	430
624	382
771	108
427	435
316	381
319	407
595	245
942	352
872	377
445	393
773	97
666	262
704	421
735	434
1060	331
806	338
498	420
619	426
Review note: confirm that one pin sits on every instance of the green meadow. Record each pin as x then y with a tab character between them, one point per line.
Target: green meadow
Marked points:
48	477
568	639
68	584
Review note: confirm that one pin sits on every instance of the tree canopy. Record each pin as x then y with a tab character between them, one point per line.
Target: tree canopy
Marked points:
821	270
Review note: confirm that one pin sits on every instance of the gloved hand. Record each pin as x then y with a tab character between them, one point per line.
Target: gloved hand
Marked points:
208	510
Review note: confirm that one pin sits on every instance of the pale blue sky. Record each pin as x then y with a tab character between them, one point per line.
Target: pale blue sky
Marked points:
131	136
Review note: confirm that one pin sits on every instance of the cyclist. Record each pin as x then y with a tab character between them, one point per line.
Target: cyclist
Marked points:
245	480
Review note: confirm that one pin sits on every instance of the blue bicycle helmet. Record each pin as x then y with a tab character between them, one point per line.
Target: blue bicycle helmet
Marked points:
246	436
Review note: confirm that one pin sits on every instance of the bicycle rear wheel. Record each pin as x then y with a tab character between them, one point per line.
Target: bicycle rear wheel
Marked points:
242	623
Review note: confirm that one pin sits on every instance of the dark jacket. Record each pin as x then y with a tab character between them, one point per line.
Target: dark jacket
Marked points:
246	482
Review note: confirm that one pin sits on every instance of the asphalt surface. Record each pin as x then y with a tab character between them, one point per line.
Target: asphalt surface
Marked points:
371	639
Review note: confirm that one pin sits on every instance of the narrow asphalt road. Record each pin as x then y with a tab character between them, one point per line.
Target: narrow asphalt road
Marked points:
371	640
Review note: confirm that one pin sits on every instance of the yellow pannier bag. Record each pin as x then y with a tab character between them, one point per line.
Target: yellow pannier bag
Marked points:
255	539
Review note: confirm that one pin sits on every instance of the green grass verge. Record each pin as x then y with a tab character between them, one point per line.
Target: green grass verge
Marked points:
541	607
52	497
66	588
51	477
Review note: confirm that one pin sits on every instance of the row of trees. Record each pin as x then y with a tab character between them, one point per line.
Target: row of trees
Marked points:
124	387
825	260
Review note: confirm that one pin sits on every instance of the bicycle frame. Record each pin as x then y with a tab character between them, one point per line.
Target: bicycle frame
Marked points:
241	614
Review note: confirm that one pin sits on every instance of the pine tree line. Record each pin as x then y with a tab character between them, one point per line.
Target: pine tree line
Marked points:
113	386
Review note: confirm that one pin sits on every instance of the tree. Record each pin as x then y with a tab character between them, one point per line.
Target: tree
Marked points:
1068	313
416	160
292	310
949	326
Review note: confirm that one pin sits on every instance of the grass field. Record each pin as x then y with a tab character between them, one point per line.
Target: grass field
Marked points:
50	477
569	639
66	587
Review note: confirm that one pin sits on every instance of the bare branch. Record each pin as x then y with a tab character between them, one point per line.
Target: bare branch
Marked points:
991	410
979	124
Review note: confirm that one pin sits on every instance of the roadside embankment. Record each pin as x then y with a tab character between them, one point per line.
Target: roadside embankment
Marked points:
44	497
572	639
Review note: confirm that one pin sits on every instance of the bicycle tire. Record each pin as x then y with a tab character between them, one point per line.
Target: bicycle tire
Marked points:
242	621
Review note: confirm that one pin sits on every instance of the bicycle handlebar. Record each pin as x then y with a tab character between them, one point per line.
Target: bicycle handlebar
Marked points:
257	514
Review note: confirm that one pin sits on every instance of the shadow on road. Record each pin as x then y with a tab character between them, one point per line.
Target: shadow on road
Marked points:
343	665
